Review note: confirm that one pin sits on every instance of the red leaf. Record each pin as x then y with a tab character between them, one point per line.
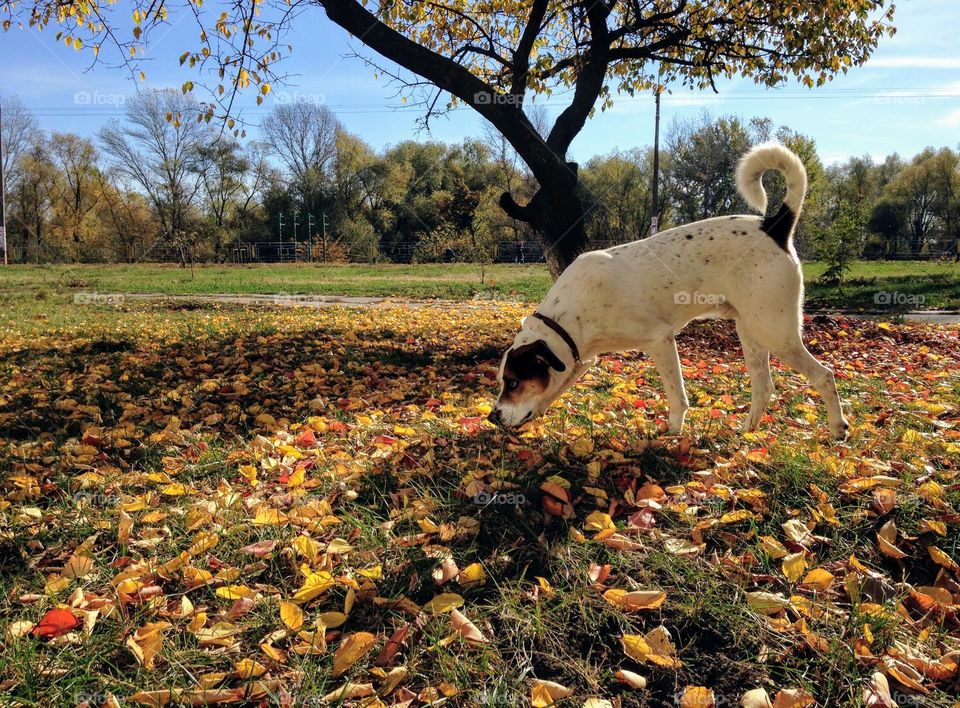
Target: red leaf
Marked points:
306	439
55	623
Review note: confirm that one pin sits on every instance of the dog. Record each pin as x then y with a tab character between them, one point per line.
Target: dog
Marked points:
640	295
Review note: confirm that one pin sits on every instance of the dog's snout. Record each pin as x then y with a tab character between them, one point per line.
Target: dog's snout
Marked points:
494	416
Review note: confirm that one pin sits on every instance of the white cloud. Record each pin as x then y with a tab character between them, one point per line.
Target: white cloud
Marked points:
951	120
914	62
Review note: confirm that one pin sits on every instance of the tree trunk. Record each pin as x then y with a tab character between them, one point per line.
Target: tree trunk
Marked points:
562	230
556	213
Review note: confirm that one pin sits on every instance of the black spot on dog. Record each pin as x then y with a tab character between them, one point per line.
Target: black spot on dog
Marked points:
689	236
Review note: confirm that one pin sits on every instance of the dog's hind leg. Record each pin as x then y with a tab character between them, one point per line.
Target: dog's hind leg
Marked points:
761	384
821	378
783	341
665	357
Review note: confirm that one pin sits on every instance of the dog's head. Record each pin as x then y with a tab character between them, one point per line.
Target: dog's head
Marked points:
532	376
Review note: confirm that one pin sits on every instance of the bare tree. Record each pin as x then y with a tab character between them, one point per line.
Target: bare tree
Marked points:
19	128
157	149
304	136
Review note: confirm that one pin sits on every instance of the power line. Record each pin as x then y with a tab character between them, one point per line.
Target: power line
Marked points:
886	96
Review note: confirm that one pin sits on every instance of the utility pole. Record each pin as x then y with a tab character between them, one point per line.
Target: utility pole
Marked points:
655	189
280	227
3	187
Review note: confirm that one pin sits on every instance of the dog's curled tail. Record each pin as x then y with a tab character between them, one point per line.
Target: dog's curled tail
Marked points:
773	156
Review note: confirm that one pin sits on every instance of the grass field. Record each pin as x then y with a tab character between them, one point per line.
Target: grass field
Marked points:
883	286
259	506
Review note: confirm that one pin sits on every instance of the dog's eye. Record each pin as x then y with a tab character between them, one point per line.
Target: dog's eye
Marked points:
511	384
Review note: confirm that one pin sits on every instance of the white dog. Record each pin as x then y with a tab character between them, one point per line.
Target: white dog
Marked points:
639	295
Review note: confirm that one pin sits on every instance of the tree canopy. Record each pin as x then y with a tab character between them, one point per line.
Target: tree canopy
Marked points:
493	55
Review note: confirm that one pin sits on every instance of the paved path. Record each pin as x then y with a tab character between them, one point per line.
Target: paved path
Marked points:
283	300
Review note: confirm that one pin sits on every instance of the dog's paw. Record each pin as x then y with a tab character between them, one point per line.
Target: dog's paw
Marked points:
840	431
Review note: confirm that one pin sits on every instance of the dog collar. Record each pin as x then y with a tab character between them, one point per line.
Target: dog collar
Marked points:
562	333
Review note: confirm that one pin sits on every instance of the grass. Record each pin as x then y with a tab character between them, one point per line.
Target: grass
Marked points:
871	285
106	410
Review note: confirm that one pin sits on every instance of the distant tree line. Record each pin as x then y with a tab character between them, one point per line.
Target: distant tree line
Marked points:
161	185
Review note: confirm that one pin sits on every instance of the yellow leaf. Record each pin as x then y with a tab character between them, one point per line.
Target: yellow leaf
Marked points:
886	540
772	547
767	602
655	646
793	566
818	579
338	546
473	573
235	592
315	585
444	602
733	517
269	517
598	521
332	620
249	669
351	650
77	567
291	615
546	693
939	557
697	697
635	600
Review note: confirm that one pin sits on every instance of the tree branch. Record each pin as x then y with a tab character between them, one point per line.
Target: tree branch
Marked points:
449	76
521	56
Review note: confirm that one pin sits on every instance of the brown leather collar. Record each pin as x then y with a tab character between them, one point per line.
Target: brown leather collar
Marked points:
562	333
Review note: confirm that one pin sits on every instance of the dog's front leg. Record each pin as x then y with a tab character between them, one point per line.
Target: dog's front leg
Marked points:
667	361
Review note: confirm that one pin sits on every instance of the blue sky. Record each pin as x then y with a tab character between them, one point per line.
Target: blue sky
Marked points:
906	98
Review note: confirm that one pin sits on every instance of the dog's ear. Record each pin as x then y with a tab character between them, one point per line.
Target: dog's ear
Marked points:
531	361
542	351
